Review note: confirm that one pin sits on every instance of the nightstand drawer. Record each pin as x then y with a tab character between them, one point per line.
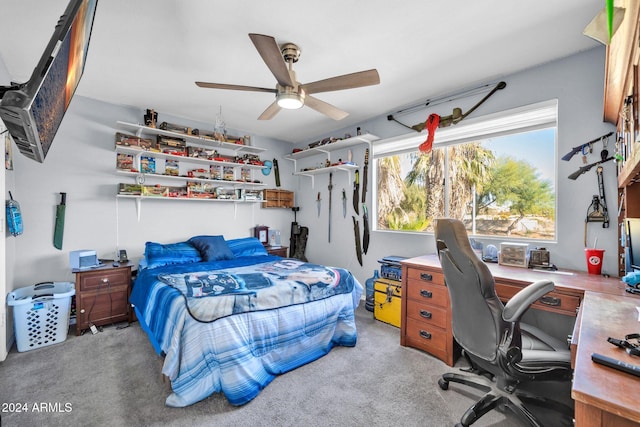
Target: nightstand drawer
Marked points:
103	279
429	314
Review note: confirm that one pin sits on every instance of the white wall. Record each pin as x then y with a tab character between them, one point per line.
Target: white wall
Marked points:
577	83
81	163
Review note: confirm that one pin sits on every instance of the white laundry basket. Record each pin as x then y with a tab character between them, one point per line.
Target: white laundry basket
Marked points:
41	313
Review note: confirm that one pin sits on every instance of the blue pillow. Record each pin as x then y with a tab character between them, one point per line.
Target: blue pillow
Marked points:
246	246
158	254
212	248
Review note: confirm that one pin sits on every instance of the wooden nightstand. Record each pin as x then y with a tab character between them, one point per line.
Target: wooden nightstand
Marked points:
279	251
102	295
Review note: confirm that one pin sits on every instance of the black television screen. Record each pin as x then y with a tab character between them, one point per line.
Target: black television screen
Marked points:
32	111
633	242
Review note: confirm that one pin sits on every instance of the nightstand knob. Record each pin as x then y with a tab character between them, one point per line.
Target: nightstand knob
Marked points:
82	311
105	280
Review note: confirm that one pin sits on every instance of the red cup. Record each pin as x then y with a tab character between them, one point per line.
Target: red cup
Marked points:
594	260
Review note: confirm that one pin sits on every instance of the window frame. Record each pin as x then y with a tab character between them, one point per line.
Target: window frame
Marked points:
537	116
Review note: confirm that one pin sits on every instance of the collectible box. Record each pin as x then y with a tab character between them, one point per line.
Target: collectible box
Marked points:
513	254
172	168
175	128
124	162
177	191
134	141
215	172
252	195
147	164
227	193
387	301
228	173
200	190
155	190
130	189
199	173
171	141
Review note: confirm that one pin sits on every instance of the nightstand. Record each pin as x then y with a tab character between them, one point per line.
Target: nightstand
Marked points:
279	251
102	295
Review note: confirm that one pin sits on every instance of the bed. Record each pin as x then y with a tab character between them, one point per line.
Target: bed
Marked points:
228	317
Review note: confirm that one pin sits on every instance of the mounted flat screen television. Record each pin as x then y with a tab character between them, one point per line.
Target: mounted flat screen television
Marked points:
632	226
32	111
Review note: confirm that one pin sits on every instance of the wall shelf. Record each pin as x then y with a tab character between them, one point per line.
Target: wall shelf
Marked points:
191	140
326	150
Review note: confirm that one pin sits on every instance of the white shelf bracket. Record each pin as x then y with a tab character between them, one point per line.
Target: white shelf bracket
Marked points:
138	207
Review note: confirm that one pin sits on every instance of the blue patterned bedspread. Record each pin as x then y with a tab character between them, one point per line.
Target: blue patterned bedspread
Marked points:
241	348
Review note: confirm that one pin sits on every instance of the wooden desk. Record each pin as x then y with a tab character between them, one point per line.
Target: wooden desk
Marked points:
604	396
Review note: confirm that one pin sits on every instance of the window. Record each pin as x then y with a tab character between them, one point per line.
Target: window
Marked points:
496	173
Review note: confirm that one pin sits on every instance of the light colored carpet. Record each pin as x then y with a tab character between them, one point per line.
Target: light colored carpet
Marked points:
113	379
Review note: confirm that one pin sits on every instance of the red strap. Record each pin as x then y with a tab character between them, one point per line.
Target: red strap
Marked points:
431	124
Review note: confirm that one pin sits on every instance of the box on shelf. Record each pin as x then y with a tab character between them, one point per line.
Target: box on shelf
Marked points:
199	173
387	297
215	172
134	141
130	189
228	173
41	314
124	162
200	190
147	164
177	191
155	190
252	195
172	168
227	193
513	254
278	198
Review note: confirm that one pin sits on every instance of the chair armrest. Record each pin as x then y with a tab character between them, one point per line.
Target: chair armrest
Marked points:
520	302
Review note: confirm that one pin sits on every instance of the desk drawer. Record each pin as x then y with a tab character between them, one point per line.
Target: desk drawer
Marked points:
429	314
553	301
427	337
427	292
103	279
426	276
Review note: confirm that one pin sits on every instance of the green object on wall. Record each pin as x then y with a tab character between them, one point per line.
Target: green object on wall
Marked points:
60	213
610	18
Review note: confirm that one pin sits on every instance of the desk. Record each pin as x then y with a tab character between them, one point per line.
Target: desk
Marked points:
604	396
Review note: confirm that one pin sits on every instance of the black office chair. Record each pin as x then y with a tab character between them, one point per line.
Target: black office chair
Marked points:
504	353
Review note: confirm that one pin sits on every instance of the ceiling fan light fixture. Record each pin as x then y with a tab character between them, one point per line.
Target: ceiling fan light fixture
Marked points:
290	100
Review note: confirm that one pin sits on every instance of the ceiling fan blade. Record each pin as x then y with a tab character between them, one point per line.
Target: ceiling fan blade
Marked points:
270	112
325	108
346	81
271	55
235	87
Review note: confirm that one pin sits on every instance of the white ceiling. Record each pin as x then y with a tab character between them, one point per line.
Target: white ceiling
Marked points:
149	53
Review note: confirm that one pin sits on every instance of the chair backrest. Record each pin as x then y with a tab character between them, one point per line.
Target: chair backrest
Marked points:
476	310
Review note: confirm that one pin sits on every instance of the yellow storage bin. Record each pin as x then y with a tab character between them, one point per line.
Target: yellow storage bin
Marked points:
388	301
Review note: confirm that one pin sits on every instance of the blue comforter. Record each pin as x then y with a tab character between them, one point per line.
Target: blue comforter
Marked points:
238	346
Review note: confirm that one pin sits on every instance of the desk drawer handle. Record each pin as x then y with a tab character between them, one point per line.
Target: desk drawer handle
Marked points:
552	301
426	314
425	293
426	276
425	334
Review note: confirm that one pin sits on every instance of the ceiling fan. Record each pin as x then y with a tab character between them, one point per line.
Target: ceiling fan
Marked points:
290	93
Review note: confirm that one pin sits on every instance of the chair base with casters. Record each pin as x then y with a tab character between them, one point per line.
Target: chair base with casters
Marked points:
500	393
